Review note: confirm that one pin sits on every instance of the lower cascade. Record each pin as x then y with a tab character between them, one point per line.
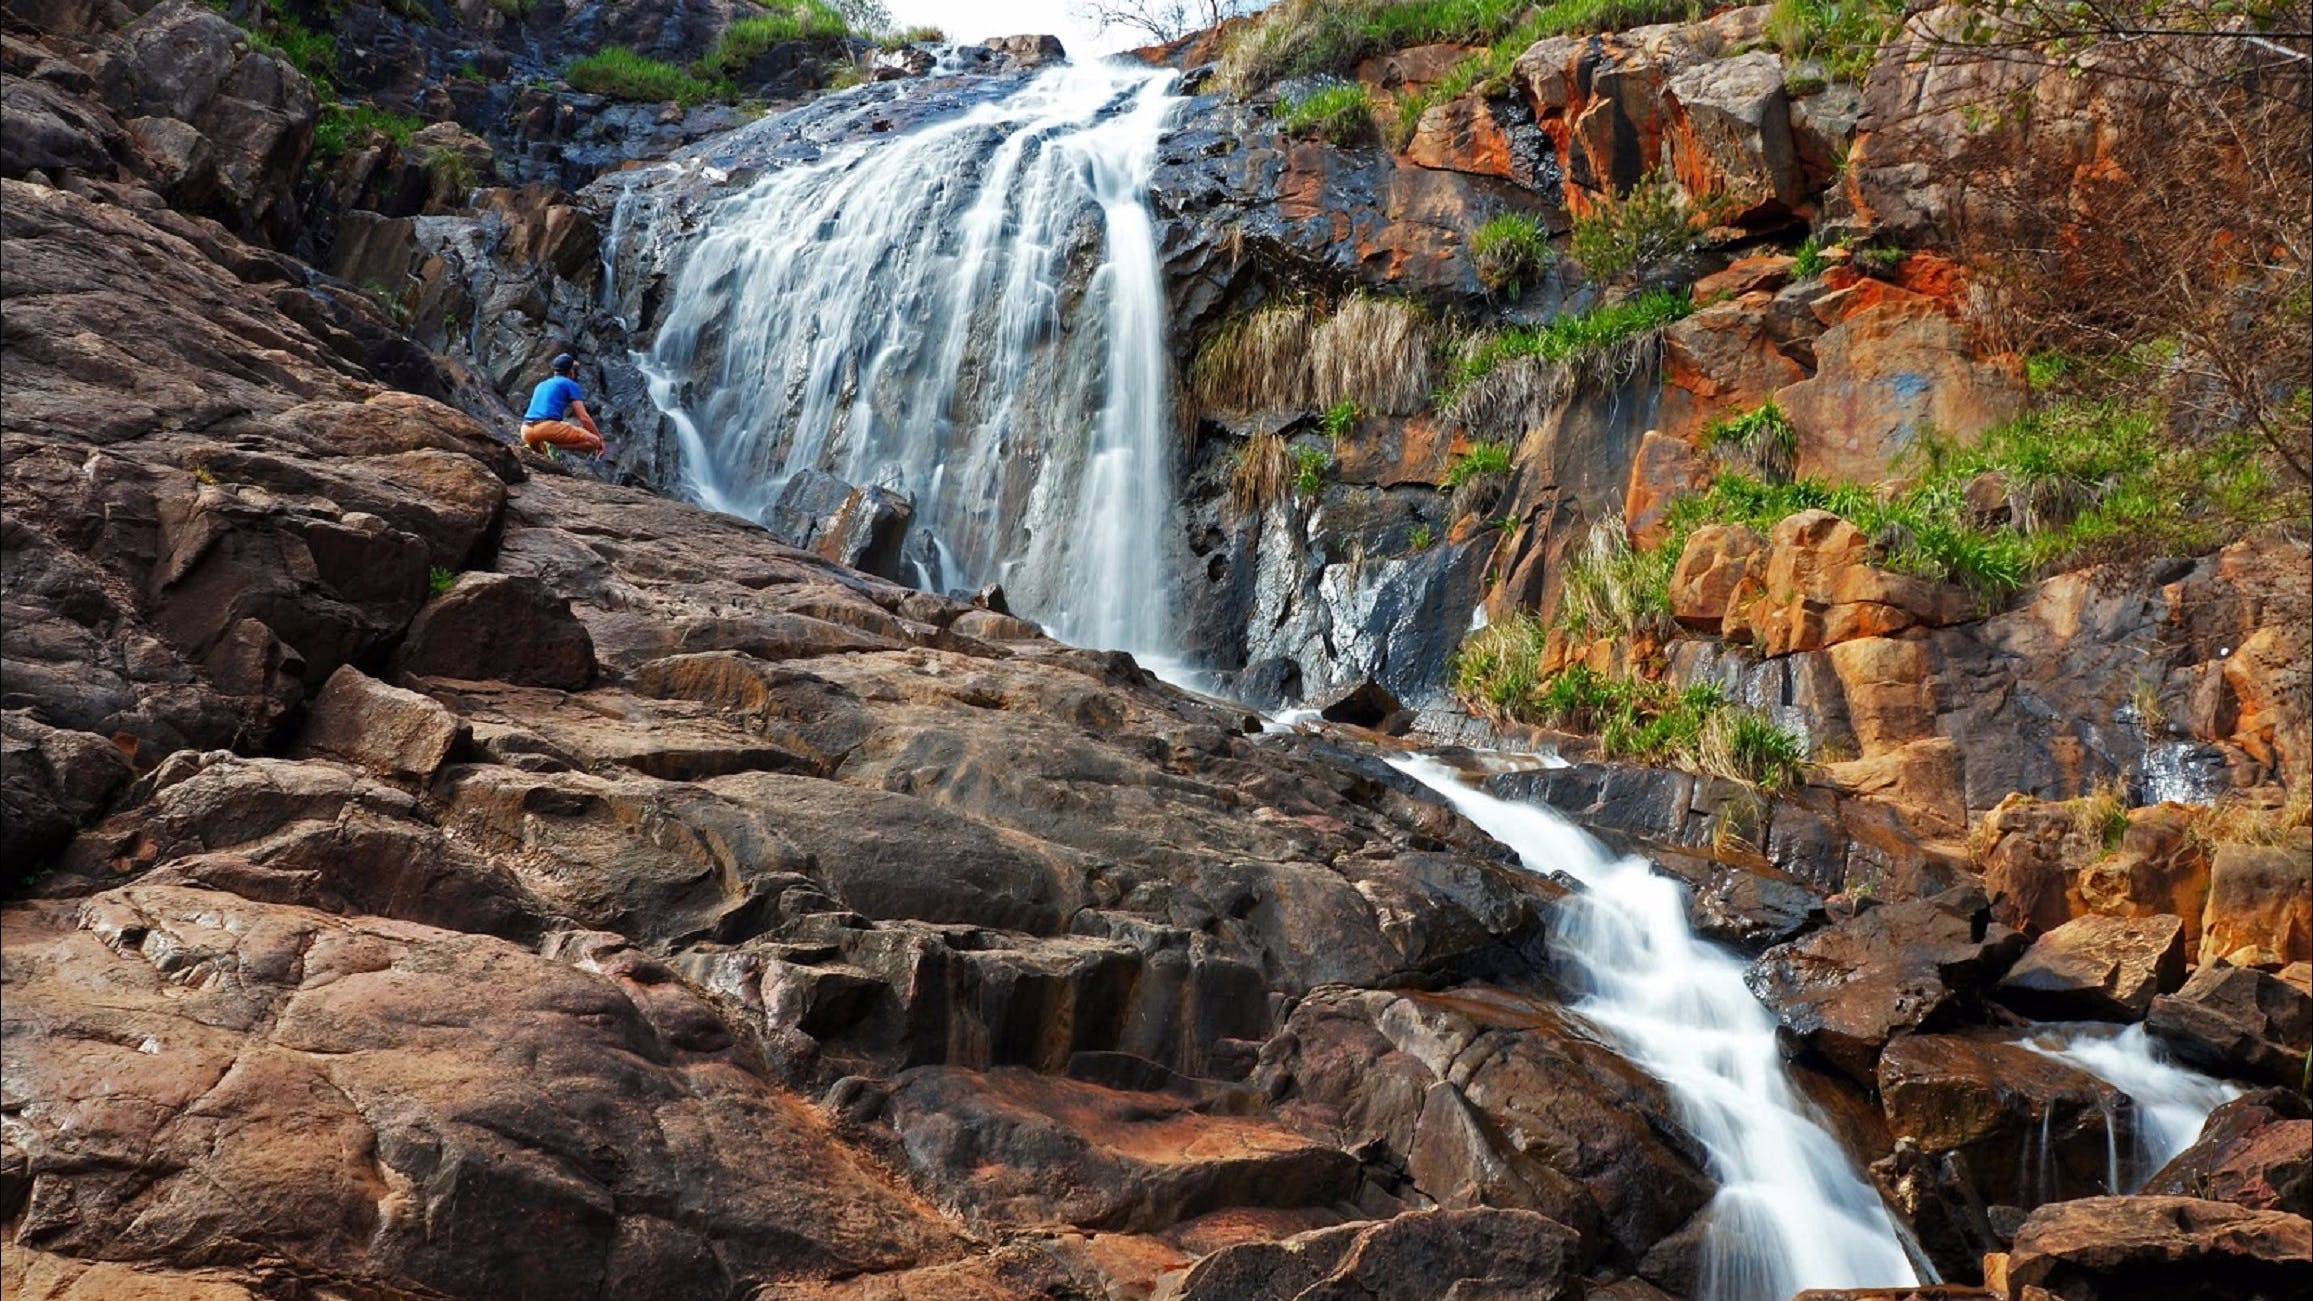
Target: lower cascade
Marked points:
1791	1212
970	315
2171	1101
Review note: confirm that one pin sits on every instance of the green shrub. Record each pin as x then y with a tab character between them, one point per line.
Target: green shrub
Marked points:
1629	233
340	127
1421	538
1809	258
1482	461
1638	720
1599	337
1764	439
1845	35
1611	589
1295	38
1340	111
745	40
310	52
620	73
440	580
1309	468
1340	418
1510	251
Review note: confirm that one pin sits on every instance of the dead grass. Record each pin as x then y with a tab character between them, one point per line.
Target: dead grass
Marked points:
2239	820
1263	474
1255	362
1513	397
1374	352
2101	816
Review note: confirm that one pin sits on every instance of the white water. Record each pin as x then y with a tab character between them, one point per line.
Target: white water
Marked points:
2172	1101
971	314
1791	1212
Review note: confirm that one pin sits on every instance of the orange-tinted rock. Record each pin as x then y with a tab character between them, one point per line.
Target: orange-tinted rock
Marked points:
1759	272
2271	676
2032	850
1461	135
1995	1105
1730	138
1916	786
2255	1151
2157	868
2174	1248
1889	702
2238	1022
2099	968
1722	361
1886	376
1664	468
1710	570
2260	906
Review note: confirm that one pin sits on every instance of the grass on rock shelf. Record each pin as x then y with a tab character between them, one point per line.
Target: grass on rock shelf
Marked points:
1299	38
620	73
1573	340
1340	111
745	40
1510	252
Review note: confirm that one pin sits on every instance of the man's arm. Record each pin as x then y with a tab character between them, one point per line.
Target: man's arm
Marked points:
578	411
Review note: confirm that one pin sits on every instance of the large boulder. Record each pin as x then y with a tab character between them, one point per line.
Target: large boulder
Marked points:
52	780
2098	968
1888	374
1729	141
2254	1151
499	628
1470	1253
2029	1128
2239	1022
1712	569
2174	1248
391	731
2260	910
1845	991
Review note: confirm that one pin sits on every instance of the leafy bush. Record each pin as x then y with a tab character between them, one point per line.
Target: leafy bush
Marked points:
1482	461
1341	112
1340	418
1809	258
1845	35
1421	538
1629	233
1510	251
341	126
1693	728
620	73
1309	467
1296	38
745	40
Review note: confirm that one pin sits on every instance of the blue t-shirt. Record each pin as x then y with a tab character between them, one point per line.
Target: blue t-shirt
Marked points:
552	398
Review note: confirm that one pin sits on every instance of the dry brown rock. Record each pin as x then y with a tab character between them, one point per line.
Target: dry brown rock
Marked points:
2100	968
1717	558
392	732
1846	990
499	628
2260	909
1473	1253
2254	1151
2180	1248
1886	375
2237	1022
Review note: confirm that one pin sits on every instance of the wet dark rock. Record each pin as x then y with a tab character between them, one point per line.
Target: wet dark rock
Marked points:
1460	1253
499	628
1364	703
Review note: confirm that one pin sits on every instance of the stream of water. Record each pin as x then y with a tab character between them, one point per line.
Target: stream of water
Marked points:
971	314
1791	1212
2171	1101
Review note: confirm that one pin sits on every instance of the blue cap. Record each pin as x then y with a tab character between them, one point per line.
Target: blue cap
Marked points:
564	361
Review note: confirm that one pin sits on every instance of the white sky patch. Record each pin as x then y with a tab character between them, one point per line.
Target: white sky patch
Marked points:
974	20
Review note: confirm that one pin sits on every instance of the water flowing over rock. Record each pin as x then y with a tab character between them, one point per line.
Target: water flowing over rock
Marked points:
969	315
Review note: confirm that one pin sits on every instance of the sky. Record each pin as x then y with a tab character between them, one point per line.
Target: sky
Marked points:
972	20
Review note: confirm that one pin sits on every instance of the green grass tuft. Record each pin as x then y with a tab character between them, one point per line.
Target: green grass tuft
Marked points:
746	40
1844	35
1310	465
1510	252
1340	418
340	127
620	73
1299	38
1764	440
440	580
1482	461
1571	339
1341	112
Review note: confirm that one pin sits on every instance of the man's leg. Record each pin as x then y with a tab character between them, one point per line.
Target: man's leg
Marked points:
562	434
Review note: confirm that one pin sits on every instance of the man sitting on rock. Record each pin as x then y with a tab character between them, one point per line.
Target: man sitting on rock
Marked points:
554	404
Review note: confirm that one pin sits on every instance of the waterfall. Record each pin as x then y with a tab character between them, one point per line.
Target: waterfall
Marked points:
971	314
1791	1211
2171	1101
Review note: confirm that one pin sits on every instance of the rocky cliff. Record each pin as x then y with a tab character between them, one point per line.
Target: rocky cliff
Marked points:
437	871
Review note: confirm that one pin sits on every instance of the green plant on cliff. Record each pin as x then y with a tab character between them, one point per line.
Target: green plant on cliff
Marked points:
620	73
1341	112
1340	418
1764	440
1626	234
1601	337
1307	37
339	127
918	35
1420	538
1808	260
747	39
1639	720
1310	466
1510	251
1844	35
1482	461
1612	589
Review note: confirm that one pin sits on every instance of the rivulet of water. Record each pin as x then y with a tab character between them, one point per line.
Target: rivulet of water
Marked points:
1791	1212
972	314
2171	1101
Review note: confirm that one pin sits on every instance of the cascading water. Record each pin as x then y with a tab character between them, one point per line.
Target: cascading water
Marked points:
2171	1101
1791	1212
971	314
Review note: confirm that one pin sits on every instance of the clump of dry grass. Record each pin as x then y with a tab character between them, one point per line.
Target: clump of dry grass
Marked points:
2101	816
1374	352
1257	361
1264	473
2236	820
1506	401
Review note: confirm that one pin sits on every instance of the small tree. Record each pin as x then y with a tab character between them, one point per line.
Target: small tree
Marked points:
1163	20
